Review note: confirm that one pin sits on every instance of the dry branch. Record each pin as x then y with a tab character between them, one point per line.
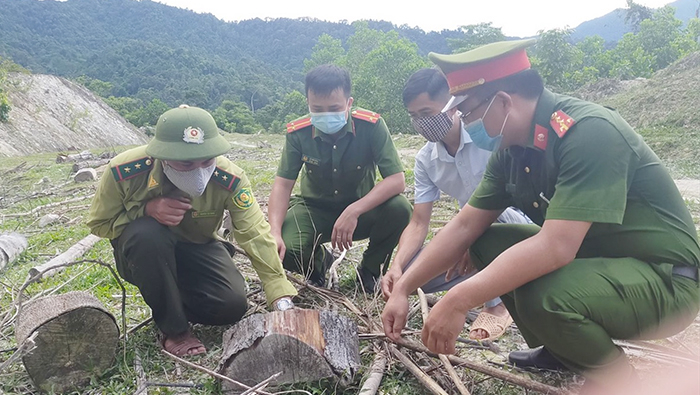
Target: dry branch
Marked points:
446	362
90	163
487	370
213	374
424	379
376	373
59	263
50	205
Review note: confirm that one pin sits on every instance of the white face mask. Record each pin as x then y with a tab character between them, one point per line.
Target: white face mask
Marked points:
193	182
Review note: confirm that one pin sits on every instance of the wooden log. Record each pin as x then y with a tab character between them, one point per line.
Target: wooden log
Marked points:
11	245
59	263
75	339
305	345
85	155
85	174
89	163
376	373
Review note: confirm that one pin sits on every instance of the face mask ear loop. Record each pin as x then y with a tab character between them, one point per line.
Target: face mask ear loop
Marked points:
504	124
487	108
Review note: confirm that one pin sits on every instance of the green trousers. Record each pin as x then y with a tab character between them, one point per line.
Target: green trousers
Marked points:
180	281
577	310
308	224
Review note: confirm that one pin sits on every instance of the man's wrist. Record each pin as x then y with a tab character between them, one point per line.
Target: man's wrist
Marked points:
283	303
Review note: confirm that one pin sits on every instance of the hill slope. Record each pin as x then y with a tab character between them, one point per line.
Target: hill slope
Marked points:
52	114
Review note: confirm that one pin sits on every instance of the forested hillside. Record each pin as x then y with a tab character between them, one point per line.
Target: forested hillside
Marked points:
149	50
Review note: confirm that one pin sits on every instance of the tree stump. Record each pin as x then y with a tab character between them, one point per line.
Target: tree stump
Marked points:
85	174
11	245
76	339
305	345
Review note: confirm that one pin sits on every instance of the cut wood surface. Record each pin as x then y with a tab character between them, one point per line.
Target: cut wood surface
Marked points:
305	345
74	337
58	263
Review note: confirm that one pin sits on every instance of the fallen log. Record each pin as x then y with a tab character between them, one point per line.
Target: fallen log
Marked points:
305	345
89	163
60	262
75	338
85	155
11	245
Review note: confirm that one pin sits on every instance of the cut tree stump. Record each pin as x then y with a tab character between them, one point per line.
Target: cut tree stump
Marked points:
76	339
305	345
11	245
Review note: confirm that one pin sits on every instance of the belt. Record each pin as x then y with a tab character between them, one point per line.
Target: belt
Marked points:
690	272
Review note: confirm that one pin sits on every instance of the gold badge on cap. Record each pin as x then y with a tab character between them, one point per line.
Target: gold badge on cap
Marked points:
193	135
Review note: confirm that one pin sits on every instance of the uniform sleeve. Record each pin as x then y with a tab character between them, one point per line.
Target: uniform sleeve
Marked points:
491	193
290	163
385	155
109	213
252	233
596	167
426	191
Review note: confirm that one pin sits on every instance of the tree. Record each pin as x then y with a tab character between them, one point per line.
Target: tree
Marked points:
100	88
558	61
326	50
635	14
235	117
274	116
380	78
474	36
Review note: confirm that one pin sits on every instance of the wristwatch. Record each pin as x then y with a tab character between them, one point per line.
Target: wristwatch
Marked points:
284	303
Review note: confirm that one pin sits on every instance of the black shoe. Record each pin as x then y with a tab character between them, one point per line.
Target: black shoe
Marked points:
538	358
368	280
318	275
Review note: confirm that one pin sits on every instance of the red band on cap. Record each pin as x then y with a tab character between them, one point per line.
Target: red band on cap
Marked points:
481	73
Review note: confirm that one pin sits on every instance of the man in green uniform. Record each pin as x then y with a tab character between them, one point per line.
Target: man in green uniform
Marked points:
339	150
615	255
161	206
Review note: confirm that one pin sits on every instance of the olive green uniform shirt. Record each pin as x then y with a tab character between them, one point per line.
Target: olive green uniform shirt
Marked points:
341	171
585	163
134	178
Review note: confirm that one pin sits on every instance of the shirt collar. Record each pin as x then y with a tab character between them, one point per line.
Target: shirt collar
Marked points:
439	150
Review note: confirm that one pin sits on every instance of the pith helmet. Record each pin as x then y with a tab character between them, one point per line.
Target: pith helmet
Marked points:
187	133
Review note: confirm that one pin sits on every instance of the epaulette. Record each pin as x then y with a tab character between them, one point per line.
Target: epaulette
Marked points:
561	123
225	179
366	115
132	169
298	124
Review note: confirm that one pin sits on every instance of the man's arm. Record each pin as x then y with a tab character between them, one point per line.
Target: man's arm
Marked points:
253	234
347	221
277	207
411	241
553	247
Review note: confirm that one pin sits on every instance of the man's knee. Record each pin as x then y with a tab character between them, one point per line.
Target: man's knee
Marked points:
399	210
223	309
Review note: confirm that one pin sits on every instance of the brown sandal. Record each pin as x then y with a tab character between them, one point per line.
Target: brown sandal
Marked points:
182	345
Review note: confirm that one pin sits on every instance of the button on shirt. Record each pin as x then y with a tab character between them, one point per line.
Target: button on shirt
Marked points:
436	170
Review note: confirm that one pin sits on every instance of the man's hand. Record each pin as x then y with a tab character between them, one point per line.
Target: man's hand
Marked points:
462	267
394	315
281	248
389	279
343	229
442	327
168	211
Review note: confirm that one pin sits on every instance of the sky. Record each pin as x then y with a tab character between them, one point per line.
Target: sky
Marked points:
520	18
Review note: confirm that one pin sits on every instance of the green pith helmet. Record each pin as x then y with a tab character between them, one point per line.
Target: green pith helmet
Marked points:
187	133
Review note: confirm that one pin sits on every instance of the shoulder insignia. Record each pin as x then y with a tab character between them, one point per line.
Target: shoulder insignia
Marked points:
225	179
366	115
561	123
132	169
540	140
298	124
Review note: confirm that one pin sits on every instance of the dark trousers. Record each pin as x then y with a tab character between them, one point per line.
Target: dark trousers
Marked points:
180	281
308	225
576	311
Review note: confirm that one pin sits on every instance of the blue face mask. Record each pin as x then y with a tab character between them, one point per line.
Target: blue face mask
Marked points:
478	134
329	122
